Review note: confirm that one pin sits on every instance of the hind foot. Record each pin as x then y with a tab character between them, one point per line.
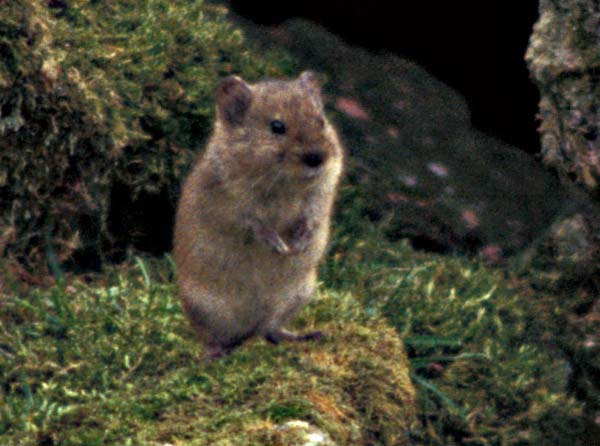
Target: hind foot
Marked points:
216	351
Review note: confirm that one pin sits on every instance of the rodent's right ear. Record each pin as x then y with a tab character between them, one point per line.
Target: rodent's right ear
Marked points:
233	100
310	84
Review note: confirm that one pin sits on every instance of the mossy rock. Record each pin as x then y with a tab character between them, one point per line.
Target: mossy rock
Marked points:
563	58
110	364
102	109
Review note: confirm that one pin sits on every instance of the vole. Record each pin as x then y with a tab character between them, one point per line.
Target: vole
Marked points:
254	215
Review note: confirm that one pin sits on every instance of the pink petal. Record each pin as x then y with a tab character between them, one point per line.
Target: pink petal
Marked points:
408	180
470	218
438	169
352	108
395	197
492	253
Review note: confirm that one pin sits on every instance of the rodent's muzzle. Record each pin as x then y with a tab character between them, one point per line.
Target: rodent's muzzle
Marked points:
313	159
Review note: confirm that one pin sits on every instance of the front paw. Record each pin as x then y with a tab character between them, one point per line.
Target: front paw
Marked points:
267	236
301	237
277	243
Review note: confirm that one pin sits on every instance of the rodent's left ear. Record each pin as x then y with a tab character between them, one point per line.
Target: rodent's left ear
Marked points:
308	81
234	97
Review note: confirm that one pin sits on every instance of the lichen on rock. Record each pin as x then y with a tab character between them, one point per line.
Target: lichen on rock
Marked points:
564	61
564	58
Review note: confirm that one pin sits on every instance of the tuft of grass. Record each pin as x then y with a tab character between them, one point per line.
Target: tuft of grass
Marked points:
476	336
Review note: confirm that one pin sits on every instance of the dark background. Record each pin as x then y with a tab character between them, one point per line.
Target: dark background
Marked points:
476	47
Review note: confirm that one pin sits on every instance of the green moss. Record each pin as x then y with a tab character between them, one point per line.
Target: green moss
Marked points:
104	98
479	339
116	363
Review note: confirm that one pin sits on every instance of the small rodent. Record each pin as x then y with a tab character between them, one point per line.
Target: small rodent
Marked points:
254	215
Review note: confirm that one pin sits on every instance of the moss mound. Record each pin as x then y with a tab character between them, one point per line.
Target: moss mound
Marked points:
118	363
102	106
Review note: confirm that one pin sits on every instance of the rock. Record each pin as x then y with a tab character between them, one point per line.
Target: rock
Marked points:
301	433
563	58
443	184
574	244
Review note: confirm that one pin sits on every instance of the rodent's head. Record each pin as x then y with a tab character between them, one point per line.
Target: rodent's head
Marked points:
275	128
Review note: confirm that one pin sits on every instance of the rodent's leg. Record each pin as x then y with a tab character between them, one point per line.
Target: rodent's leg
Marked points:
275	333
215	350
268	236
277	336
302	235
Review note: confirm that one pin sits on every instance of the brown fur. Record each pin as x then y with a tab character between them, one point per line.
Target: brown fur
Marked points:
253	219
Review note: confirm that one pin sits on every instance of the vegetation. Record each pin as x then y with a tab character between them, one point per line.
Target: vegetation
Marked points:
102	107
113	361
482	342
116	363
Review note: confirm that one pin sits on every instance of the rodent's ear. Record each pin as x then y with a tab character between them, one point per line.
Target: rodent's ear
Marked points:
308	82
233	100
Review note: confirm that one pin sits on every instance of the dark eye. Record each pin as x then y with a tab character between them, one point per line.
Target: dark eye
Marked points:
277	127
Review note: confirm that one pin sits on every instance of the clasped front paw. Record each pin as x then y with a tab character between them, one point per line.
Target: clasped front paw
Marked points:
301	236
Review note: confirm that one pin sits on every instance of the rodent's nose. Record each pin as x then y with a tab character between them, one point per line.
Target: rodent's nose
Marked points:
313	159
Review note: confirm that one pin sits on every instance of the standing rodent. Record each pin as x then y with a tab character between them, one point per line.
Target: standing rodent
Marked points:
254	215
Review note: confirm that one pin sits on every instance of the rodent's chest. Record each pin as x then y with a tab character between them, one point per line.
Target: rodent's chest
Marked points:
280	211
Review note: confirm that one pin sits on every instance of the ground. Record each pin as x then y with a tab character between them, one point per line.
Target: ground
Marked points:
111	359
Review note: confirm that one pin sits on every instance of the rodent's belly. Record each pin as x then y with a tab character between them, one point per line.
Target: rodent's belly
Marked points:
268	272
257	285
